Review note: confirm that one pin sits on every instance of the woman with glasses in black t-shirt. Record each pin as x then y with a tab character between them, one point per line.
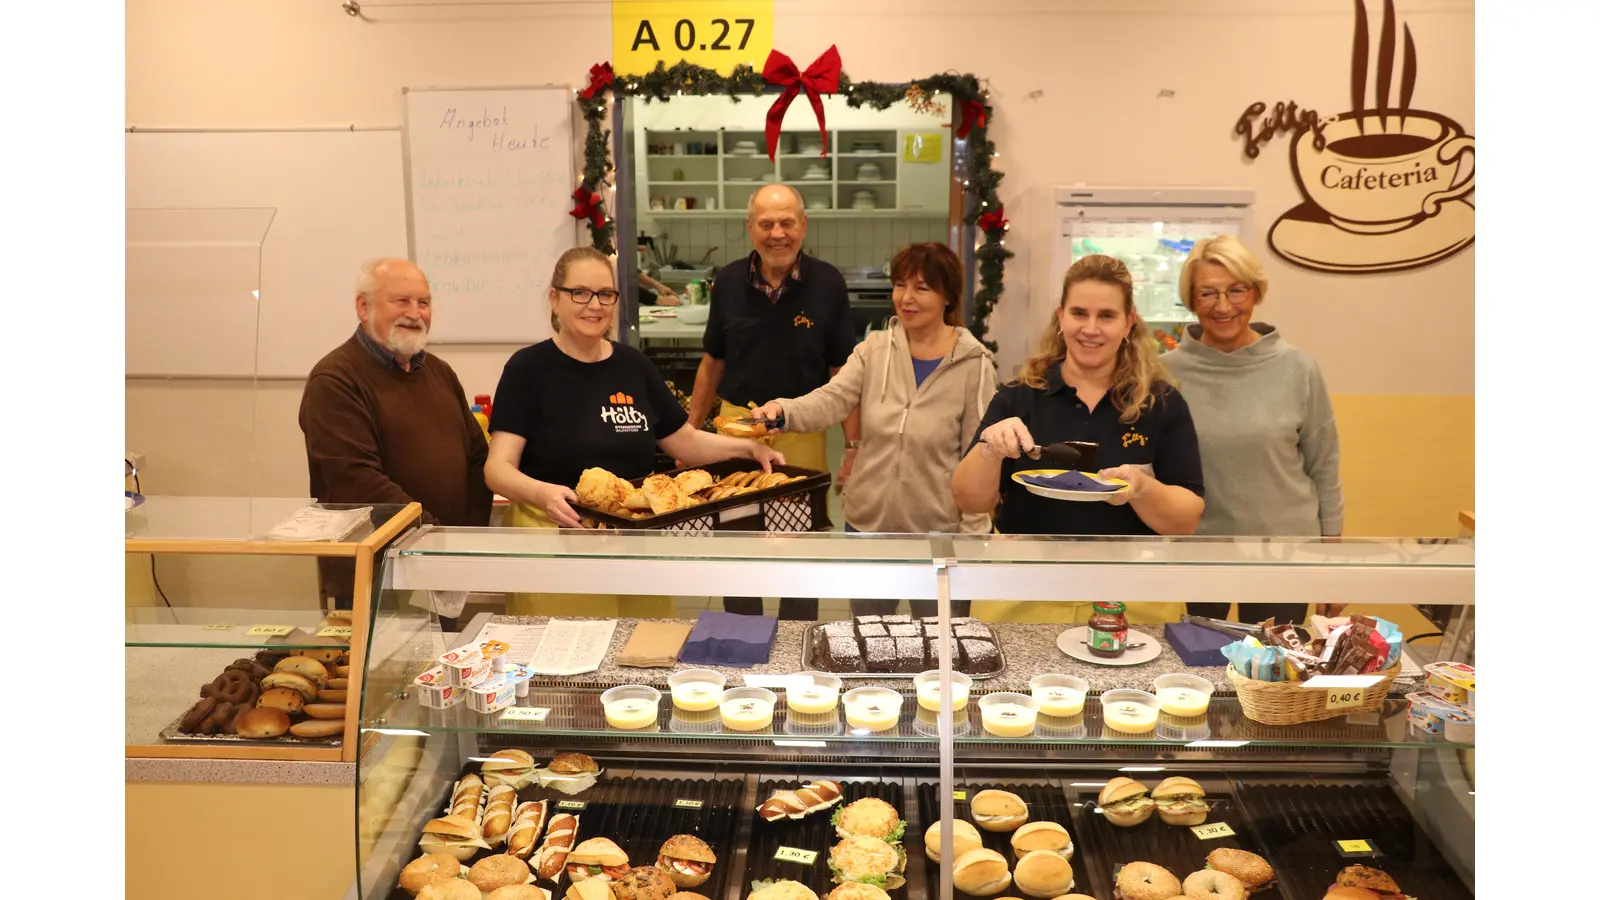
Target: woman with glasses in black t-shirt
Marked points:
581	400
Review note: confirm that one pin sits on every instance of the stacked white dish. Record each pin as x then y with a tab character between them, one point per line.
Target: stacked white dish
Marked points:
745	148
816	172
864	199
869	172
811	148
867	147
818	203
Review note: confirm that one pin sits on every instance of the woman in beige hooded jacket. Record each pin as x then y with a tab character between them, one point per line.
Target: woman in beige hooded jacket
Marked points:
922	386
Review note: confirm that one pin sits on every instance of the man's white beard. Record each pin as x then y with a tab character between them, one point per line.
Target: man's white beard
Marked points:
404	343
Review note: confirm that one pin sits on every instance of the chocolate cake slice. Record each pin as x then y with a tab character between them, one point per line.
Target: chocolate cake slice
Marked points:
841	629
964	620
840	653
899	631
896	620
979	657
879	654
908	654
978	630
868	620
933	653
874	631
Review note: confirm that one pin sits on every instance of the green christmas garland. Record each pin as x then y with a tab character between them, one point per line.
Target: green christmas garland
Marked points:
662	83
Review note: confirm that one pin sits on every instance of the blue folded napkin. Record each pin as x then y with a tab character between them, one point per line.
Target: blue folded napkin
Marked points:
726	639
1070	481
1197	646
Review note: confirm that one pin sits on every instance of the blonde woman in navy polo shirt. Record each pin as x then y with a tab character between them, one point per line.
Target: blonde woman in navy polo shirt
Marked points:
1096	378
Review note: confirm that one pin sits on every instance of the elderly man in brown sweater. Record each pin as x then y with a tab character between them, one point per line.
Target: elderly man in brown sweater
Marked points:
385	422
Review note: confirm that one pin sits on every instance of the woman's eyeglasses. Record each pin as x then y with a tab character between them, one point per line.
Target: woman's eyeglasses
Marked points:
1236	294
582	296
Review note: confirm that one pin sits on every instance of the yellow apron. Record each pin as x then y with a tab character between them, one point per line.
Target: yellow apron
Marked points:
1069	612
808	451
607	606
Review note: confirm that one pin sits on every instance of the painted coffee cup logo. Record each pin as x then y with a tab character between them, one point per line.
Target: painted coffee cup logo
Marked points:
1385	185
1373	180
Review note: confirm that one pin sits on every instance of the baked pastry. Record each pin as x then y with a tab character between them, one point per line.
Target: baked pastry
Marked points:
689	895
262	722
599	489
732	427
855	890
694	480
317	728
981	873
508	767
643	883
590	890
466	799
1147	881
552	855
636	501
664	494
598	858
784	890
1123	802
1209	884
498	871
286	699
305	686
999	810
519	892
1252	871
814	797
687	860
1043	874
871	817
963	838
459	889
527	821
304	666
1180	801
574	764
1050	836
497	815
430	868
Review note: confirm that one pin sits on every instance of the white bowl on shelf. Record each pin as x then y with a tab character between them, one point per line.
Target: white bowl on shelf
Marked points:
697	314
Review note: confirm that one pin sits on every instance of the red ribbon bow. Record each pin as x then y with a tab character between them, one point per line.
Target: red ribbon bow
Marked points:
973	115
588	207
821	77
600	76
991	220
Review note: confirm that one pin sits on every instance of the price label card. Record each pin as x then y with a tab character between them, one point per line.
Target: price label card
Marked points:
336	631
270	630
571	804
219	626
1346	698
689	804
1355	848
1211	830
717	34
960	796
794	855
525	714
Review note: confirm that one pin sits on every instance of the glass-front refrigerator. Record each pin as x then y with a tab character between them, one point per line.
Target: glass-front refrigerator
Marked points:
1152	231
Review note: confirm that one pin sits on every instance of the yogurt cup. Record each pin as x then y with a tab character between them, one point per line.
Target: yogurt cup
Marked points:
926	723
1452	682
1055	728
697	690
812	693
747	708
1008	715
1130	712
812	724
1184	696
927	685
1178	728
631	707
1426	712
1460	726
705	721
873	709
1059	696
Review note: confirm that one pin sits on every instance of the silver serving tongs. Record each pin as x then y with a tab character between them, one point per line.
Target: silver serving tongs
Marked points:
1233	629
1065	455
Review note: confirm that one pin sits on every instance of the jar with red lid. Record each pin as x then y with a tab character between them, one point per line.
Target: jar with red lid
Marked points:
1108	629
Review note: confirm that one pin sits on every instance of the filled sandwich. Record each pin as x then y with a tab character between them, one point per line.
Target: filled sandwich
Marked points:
981	873
1375	882
458	836
1254	872
687	860
999	810
868	860
781	890
1123	802
1180	801
870	817
1043	874
963	838
1048	836
597	858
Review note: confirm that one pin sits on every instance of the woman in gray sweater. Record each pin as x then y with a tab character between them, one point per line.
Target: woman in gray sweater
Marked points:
1269	447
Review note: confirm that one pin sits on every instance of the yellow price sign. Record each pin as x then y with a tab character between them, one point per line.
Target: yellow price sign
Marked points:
270	630
1345	698
571	804
960	796
336	631
709	33
1211	830
1355	846
689	804
794	855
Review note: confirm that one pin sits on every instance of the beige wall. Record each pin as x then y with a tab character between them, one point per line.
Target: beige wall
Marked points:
1077	90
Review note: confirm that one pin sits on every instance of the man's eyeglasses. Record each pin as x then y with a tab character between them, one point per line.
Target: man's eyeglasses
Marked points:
1236	294
582	296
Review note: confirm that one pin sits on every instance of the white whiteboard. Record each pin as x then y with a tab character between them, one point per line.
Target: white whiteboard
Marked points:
489	178
338	199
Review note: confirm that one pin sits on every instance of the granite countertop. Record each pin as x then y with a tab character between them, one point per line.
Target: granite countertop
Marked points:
1030	649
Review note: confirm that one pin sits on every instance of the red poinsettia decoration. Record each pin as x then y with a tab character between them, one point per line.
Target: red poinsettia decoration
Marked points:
973	115
589	207
821	77
600	77
990	221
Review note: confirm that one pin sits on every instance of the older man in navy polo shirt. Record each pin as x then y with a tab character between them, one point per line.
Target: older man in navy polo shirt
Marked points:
780	326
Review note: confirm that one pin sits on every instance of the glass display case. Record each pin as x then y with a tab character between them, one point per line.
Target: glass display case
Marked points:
776	764
239	600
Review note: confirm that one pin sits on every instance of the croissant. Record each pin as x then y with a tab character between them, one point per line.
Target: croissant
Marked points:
694	481
664	494
599	489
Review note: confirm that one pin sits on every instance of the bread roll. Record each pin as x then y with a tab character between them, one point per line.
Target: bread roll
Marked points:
305	667
315	728
263	722
324	710
283	698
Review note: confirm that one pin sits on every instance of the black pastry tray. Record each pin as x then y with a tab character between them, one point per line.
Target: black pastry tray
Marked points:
814	832
1046	803
173	735
807	641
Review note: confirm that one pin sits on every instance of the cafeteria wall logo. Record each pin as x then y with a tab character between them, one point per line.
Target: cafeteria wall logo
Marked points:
622	415
1385	187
